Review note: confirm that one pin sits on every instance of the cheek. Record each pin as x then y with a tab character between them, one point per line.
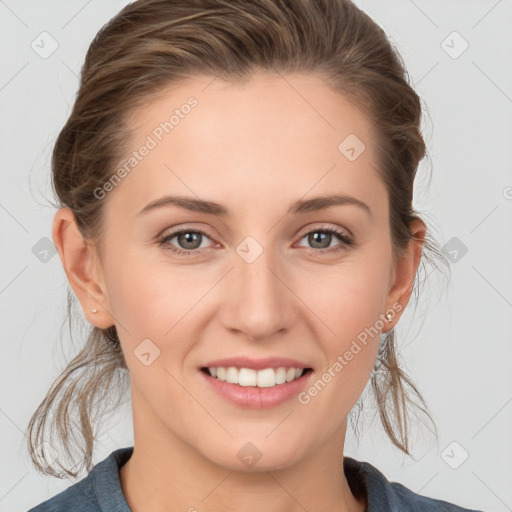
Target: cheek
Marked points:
348	298
159	302
149	298
347	301
151	303
349	304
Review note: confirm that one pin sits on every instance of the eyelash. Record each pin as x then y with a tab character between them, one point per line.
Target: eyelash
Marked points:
347	242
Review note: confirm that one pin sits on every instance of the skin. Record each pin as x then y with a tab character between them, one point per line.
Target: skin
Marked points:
254	148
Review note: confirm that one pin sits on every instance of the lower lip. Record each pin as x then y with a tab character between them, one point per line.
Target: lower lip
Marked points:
253	397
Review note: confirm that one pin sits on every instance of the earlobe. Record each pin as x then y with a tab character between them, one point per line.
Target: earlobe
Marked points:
79	261
405	271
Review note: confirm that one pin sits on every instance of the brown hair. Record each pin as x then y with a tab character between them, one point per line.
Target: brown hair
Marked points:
151	45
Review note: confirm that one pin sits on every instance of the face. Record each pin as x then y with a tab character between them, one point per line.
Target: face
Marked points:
266	275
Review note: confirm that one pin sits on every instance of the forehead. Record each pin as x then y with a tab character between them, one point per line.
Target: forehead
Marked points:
271	136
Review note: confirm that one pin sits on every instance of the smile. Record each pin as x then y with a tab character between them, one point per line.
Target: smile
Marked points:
264	378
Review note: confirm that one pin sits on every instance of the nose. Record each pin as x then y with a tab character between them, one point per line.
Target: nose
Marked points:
260	302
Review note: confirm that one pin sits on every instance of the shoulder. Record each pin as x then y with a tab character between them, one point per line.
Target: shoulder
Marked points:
100	490
381	494
414	502
78	497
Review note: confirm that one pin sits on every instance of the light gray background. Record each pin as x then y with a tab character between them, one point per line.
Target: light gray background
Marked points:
457	348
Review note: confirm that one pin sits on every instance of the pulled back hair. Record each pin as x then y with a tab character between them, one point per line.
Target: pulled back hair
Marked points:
149	46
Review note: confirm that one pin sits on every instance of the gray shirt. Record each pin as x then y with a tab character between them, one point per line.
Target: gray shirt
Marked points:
100	490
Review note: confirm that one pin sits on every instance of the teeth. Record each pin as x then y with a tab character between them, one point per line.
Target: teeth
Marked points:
265	378
281	375
232	375
247	377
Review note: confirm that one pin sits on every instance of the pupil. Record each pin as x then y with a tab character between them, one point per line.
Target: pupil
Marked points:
321	235
188	238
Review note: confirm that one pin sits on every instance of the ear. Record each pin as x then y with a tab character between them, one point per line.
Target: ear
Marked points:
82	267
403	276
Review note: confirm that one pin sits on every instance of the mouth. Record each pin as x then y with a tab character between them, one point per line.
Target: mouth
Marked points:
256	383
250	377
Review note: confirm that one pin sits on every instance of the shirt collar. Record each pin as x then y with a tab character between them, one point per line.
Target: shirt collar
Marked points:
107	484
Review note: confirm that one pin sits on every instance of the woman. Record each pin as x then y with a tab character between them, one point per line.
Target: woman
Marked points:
236	220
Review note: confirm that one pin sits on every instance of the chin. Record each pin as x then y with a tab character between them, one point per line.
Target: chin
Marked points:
258	455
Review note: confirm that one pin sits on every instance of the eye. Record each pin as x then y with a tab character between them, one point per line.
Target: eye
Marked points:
189	239
321	238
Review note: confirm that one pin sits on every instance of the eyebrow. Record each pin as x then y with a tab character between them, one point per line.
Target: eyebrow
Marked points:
301	206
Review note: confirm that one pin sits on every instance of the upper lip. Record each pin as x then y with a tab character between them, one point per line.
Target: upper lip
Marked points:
256	364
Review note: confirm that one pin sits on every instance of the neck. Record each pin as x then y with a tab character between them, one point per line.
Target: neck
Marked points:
165	470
